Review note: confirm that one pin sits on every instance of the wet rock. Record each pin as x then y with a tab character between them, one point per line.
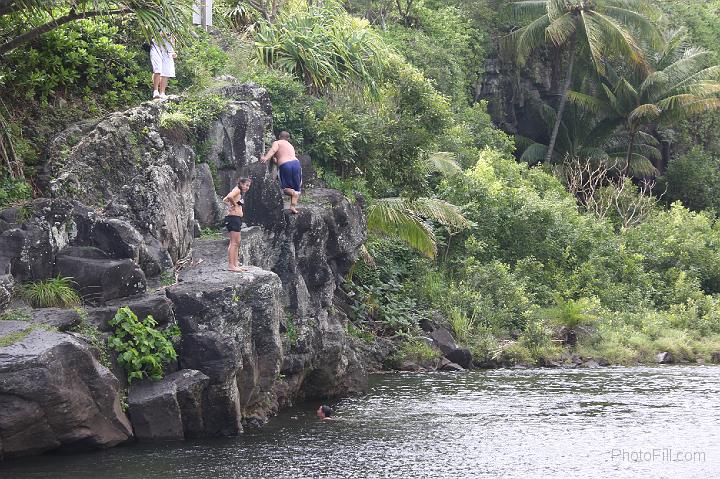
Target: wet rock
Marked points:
715	357
54	394
100	280
445	364
664	358
590	363
168	409
410	366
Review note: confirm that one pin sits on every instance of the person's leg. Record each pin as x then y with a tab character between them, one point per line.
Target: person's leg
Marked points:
163	85
233	250
293	199
157	79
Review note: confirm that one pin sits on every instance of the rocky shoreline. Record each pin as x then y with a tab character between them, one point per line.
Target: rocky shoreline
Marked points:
127	200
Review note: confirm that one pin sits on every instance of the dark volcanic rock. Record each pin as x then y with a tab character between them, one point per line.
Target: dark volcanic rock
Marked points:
443	340
156	305
209	210
230	326
170	408
99	280
53	393
664	358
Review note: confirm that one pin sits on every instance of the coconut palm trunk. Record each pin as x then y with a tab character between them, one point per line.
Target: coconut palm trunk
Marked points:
563	101
633	135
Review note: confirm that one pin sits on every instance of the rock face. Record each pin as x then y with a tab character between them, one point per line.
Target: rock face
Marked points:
169	409
53	393
127	198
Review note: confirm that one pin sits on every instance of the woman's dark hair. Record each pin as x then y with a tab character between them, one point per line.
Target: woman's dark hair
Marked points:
327	410
243	179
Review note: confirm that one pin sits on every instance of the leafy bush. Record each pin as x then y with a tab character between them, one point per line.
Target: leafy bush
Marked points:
142	349
81	58
694	179
13	192
51	293
413	349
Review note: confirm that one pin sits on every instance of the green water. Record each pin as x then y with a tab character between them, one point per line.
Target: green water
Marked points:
661	422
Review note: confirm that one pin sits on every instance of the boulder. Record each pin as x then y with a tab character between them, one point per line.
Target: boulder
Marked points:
168	409
664	358
444	341
57	318
100	280
209	210
134	170
156	305
54	394
445	364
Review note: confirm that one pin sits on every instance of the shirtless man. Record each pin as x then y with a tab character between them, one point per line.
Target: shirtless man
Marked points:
289	166
233	221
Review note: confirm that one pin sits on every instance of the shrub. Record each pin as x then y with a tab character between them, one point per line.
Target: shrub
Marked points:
51	293
413	349
13	192
142	349
694	179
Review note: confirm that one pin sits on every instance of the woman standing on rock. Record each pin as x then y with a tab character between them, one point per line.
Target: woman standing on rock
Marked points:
233	221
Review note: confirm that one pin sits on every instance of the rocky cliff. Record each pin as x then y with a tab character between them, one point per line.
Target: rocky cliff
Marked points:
127	197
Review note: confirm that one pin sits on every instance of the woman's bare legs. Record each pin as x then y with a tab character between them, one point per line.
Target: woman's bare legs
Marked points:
233	250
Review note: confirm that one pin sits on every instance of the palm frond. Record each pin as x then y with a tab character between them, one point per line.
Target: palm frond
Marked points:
445	163
390	217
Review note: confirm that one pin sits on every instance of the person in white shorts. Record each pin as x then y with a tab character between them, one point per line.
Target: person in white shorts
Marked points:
162	57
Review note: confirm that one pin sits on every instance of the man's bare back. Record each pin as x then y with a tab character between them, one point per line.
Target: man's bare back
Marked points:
282	150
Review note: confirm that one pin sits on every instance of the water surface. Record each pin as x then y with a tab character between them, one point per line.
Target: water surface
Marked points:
660	422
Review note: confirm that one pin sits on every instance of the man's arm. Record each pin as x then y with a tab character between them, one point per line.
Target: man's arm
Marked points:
270	153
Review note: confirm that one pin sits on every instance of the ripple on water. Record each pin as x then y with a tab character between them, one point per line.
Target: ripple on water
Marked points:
499	423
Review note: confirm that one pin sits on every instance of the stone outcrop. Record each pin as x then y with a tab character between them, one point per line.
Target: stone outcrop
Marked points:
126	200
169	409
54	394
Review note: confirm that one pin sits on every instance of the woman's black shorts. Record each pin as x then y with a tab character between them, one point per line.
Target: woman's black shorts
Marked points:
233	223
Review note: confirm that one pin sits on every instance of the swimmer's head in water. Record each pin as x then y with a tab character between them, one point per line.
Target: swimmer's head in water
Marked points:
324	412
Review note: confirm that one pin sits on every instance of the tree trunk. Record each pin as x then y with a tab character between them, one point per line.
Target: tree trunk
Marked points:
633	134
561	106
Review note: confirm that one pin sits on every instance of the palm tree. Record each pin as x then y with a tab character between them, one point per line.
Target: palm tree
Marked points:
685	84
584	134
602	28
36	17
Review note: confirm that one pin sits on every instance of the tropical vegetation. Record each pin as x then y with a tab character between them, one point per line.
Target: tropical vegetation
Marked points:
540	176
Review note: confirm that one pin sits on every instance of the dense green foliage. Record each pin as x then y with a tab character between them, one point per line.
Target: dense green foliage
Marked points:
142	350
386	98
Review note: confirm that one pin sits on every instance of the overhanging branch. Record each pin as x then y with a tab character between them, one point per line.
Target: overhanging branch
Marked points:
53	24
